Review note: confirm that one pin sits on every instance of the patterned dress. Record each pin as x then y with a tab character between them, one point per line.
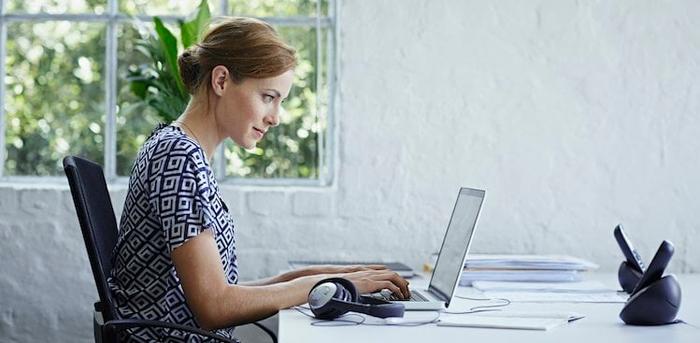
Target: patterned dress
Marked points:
172	197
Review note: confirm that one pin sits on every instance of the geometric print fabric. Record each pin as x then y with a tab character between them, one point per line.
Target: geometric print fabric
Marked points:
172	197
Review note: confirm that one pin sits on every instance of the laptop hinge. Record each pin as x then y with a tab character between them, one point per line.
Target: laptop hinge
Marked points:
438	295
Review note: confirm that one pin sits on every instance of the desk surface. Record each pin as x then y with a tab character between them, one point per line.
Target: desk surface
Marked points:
601	321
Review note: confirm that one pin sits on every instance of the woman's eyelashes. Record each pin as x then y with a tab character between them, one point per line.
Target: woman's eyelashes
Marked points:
268	98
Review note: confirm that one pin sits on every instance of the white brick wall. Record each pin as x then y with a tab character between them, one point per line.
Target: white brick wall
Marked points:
573	115
313	204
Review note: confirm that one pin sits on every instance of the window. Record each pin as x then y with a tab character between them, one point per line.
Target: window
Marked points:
64	93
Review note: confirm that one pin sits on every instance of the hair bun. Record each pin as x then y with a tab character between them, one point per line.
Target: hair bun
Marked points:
188	62
247	47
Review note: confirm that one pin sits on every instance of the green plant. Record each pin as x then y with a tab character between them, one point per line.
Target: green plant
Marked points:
158	84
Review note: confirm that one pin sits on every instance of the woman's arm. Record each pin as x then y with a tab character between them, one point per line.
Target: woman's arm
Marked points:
313	270
217	304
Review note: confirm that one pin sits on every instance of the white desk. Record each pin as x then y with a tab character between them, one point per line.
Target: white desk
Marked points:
601	323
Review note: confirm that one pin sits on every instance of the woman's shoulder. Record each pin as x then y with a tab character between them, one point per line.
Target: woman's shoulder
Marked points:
169	142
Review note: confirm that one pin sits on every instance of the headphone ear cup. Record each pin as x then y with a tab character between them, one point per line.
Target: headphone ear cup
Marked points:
325	295
349	288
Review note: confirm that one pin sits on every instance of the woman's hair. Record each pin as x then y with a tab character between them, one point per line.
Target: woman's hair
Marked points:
247	47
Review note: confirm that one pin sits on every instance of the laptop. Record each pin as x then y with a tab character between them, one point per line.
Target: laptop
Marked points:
452	256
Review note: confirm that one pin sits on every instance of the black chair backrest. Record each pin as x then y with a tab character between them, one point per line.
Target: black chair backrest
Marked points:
97	222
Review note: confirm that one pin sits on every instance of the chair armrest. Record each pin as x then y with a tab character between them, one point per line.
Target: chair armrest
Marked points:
115	326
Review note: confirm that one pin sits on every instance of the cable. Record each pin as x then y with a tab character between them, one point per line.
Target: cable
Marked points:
481	308
681	321
346	319
420	323
340	321
505	301
470	311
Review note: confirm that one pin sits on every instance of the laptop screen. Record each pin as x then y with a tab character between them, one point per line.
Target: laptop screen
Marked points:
455	245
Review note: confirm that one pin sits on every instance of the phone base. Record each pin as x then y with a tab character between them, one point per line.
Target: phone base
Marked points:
628	276
656	304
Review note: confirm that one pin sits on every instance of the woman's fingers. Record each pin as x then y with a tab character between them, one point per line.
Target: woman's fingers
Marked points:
390	286
397	280
376	266
361	267
379	279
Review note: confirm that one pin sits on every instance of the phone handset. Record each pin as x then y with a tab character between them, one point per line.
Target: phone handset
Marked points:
632	268
656	267
631	255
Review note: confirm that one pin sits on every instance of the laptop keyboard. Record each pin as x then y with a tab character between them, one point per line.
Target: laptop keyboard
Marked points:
388	296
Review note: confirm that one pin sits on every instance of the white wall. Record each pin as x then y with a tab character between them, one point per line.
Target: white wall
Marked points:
574	115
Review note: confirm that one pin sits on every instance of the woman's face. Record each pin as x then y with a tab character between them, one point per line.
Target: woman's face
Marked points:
245	111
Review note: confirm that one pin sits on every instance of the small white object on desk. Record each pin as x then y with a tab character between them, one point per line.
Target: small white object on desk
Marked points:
510	320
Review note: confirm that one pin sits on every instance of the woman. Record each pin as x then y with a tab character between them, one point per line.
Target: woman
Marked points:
175	259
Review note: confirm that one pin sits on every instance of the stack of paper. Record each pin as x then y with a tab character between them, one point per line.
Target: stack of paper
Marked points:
469	275
527	262
540	268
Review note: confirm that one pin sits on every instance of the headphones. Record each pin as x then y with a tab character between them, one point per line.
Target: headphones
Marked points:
331	298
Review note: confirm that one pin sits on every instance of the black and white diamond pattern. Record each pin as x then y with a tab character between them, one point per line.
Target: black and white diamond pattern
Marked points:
172	197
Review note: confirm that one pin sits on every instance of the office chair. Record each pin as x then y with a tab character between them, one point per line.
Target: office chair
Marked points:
99	226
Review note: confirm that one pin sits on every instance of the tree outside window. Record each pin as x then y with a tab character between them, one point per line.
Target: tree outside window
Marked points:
57	89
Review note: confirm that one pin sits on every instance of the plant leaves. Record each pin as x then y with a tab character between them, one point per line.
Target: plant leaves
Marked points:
138	87
168	44
191	31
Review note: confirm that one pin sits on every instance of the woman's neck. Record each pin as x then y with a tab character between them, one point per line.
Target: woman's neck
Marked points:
200	125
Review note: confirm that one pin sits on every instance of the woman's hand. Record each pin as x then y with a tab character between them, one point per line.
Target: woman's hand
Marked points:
368	281
366	278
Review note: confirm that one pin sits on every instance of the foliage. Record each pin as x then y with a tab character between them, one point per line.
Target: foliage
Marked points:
55	88
158	83
54	102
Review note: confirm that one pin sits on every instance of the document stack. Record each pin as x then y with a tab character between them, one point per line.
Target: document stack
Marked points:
524	268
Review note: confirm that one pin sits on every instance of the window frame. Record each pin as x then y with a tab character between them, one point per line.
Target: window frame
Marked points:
111	17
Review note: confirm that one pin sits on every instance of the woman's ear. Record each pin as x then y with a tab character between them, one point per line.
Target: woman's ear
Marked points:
219	75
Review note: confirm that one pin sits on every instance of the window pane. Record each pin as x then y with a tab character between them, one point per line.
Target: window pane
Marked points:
290	150
57	6
165	7
54	100
276	8
135	120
